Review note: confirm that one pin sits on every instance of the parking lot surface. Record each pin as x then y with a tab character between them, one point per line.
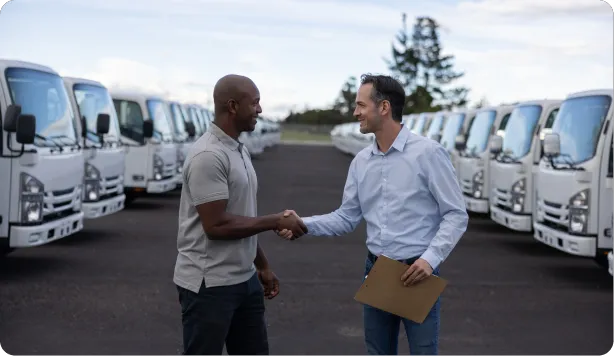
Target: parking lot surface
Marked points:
109	290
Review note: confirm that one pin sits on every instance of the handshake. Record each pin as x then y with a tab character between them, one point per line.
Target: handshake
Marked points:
290	226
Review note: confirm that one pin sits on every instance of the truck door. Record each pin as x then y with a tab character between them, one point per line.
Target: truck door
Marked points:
604	240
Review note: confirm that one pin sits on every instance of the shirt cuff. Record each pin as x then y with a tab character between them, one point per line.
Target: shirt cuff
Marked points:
309	223
432	259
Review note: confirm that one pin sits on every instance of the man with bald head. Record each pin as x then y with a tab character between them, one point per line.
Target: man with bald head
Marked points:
221	273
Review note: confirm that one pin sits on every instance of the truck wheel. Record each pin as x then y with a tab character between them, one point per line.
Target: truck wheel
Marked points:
602	260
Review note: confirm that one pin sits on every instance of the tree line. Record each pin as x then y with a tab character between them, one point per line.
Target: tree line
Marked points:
417	62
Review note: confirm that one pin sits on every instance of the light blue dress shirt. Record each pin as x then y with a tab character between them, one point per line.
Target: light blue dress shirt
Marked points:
410	198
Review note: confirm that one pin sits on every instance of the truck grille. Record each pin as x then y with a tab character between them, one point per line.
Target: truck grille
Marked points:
110	185
467	187
554	215
59	202
169	171
502	199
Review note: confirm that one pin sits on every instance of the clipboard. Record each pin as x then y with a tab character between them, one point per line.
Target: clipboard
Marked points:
383	289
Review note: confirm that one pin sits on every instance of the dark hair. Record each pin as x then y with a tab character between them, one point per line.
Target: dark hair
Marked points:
386	88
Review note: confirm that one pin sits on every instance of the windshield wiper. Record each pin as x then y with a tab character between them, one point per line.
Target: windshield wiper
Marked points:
71	141
569	161
49	140
506	158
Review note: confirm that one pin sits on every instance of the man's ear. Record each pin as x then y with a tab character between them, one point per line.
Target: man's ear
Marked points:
385	108
233	106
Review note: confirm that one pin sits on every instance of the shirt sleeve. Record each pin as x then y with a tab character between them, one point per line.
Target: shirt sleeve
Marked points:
443	185
343	220
207	178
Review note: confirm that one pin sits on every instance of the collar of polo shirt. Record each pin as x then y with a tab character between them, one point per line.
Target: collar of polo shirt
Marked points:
227	140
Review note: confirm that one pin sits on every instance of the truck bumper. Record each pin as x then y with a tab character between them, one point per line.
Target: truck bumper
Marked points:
510	220
30	236
161	186
179	179
476	205
585	246
103	208
610	263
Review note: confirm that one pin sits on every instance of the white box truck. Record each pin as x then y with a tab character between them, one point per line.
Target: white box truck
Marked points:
422	123
455	130
436	126
516	161
41	161
98	128
151	154
574	181
474	156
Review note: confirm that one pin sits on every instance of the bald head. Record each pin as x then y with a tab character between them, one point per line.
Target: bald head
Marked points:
237	100
231	87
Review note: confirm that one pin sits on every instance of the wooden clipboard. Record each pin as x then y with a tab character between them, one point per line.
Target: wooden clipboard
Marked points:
383	289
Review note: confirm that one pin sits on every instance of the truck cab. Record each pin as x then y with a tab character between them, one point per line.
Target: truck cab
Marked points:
98	129
516	161
41	161
574	180
436	126
184	135
455	130
409	121
474	156
422	123
151	154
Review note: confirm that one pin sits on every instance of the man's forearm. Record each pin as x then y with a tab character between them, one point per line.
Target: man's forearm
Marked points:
236	227
261	261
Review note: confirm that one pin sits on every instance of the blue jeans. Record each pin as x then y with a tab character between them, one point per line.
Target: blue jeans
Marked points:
382	328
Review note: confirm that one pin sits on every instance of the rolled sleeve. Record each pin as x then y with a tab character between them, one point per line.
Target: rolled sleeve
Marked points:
206	176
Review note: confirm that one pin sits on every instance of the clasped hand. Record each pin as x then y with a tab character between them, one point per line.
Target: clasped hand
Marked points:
290	226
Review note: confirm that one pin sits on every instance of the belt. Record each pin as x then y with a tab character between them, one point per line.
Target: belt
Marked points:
408	261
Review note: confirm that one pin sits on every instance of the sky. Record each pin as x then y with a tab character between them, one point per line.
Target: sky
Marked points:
300	52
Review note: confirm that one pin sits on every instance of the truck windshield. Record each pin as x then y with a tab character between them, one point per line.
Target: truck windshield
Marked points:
480	132
197	126
43	95
578	124
436	125
178	120
197	116
160	116
451	130
519	130
93	100
419	126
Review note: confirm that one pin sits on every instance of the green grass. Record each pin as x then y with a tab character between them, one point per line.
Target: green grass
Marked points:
289	135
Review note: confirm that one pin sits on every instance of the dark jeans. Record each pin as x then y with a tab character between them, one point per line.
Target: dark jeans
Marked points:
230	315
382	328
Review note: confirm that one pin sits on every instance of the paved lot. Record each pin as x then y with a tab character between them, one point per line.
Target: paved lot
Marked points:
109	289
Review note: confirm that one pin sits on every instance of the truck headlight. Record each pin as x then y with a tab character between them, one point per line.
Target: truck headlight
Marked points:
180	160
578	212
31	198
91	183
478	184
158	166
518	195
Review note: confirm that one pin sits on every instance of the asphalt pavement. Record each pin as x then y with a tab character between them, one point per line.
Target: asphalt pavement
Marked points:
109	290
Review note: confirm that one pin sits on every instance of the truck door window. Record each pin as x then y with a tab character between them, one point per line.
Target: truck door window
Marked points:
502	125
130	119
546	130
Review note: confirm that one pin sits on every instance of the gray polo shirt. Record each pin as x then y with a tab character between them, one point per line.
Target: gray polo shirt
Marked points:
216	167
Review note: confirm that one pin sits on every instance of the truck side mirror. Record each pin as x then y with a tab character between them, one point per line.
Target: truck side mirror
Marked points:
191	129
12	116
459	143
102	124
436	137
26	129
496	144
552	145
148	128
